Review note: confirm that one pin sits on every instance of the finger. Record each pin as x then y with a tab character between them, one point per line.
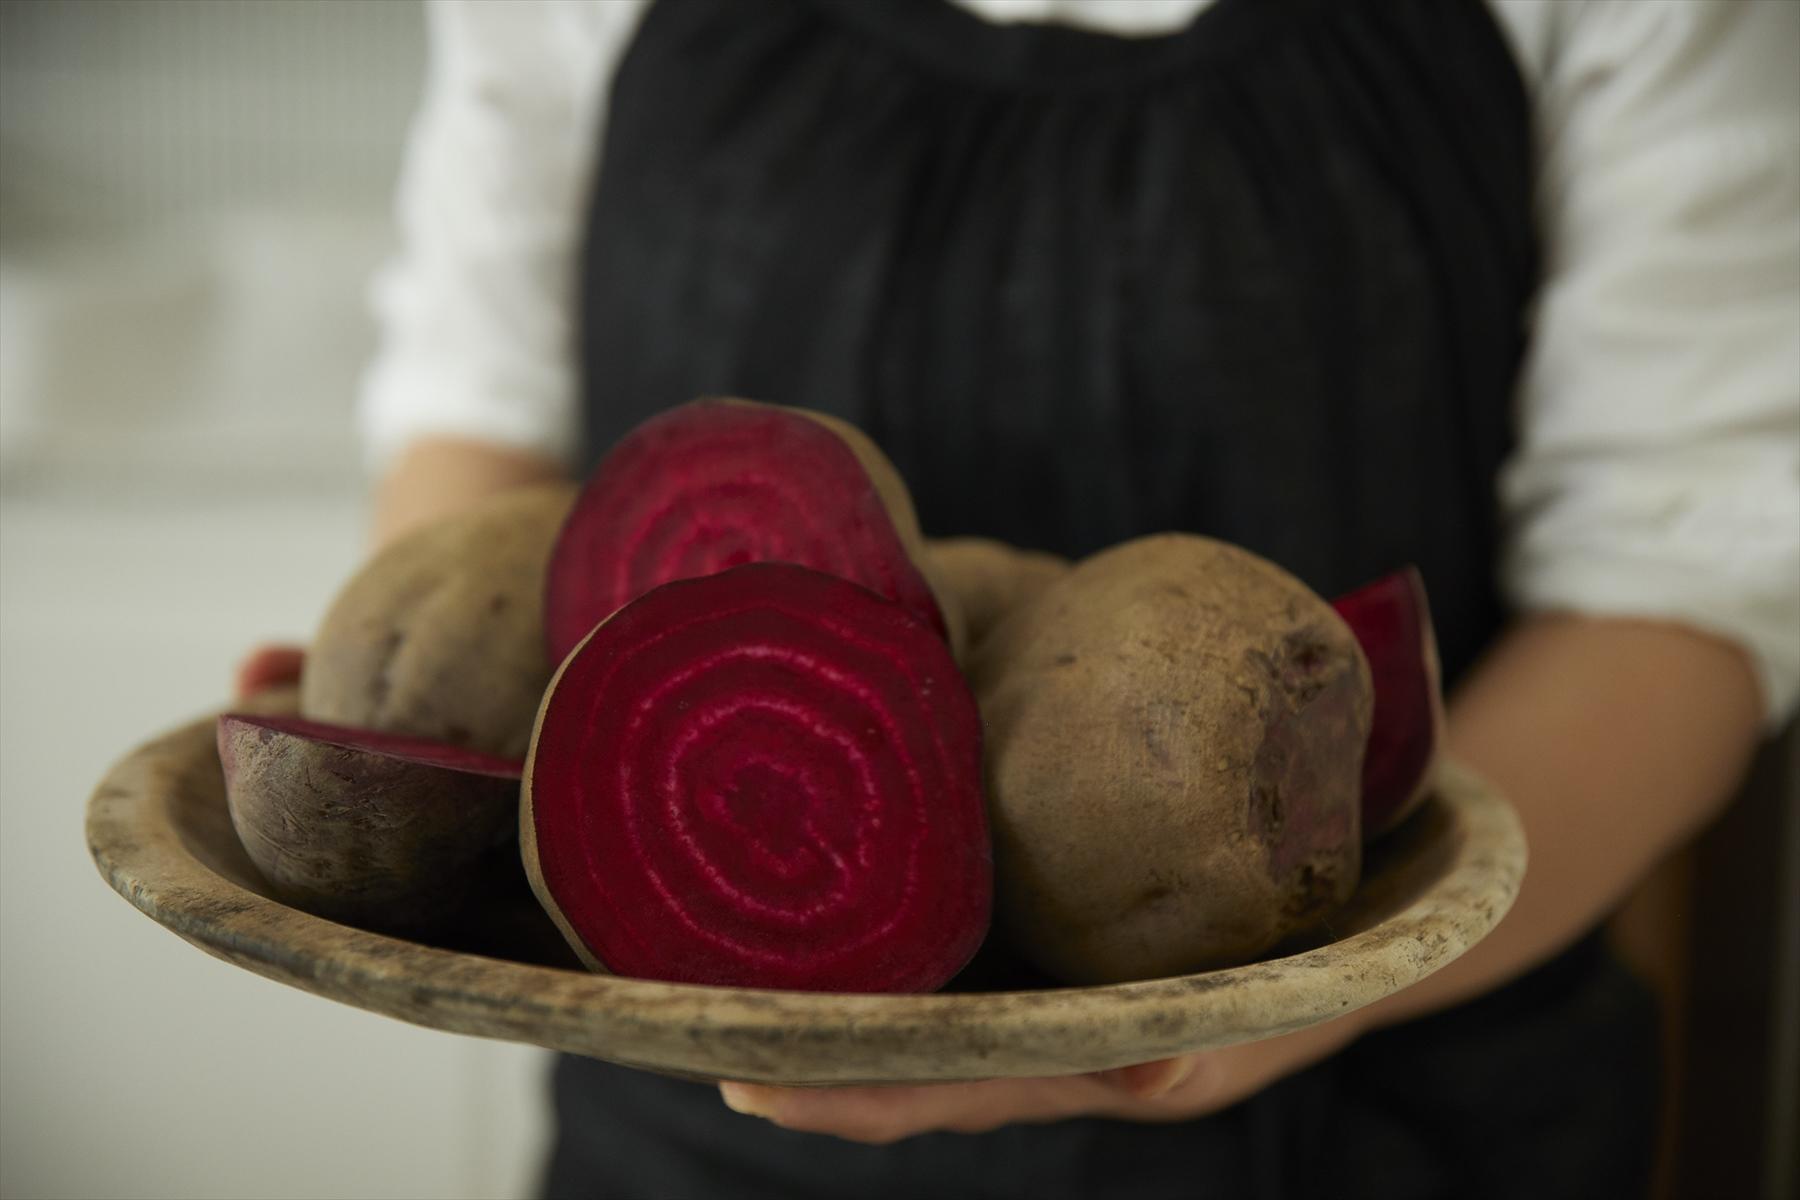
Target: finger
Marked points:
882	1115
1151	1080
267	667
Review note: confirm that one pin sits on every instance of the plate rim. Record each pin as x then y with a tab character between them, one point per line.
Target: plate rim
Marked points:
767	1035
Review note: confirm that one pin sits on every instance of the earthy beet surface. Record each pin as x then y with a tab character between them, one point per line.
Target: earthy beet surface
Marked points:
721	483
1176	730
766	777
441	634
383	831
1392	621
990	579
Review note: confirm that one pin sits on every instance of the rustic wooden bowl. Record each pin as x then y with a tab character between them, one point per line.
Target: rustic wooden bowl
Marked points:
158	829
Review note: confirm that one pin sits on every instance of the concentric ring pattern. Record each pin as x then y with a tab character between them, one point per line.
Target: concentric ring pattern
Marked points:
765	777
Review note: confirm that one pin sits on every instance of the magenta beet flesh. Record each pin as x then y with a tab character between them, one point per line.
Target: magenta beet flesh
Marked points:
713	485
766	777
1392	621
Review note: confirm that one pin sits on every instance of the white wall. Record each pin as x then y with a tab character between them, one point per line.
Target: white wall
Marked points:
191	196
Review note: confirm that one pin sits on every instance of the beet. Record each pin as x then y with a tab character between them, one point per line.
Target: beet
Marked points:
1176	731
721	483
1392	621
766	777
380	830
990	579
441	634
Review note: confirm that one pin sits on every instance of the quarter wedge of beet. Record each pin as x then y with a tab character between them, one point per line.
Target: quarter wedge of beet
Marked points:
379	830
1392	621
766	777
721	483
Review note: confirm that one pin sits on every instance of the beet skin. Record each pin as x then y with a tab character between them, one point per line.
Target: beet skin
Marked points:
989	579
441	634
382	831
1176	730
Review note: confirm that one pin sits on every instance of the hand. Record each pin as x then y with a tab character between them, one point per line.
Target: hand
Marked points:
267	667
1171	1089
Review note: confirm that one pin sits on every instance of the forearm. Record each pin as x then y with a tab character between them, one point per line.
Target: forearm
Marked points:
439	476
1616	741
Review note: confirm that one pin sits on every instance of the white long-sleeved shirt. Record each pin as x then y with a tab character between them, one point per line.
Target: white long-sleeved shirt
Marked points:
1657	472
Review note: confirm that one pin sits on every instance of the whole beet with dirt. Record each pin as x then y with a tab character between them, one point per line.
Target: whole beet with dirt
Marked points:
1175	736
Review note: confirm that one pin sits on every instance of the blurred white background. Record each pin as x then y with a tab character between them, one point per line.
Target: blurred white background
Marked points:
192	197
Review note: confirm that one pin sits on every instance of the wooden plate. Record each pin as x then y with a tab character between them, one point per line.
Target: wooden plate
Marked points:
159	831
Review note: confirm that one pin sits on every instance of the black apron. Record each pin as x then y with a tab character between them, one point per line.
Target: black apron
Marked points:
1263	279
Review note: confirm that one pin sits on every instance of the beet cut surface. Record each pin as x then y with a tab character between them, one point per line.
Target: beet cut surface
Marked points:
717	484
766	777
1392	621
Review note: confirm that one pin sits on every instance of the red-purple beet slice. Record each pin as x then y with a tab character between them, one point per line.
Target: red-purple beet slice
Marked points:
384	831
1392	621
767	777
721	483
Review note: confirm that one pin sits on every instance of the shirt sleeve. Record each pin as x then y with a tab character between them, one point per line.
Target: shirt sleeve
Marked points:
473	312
1658	468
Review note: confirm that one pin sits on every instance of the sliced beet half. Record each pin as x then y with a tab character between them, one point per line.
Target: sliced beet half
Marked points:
1392	621
721	483
383	831
766	777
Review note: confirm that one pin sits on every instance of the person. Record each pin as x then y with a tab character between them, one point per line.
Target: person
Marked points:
1505	289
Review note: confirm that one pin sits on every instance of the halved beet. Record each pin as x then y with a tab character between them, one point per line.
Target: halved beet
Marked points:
721	483
384	831
1392	620
767	777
